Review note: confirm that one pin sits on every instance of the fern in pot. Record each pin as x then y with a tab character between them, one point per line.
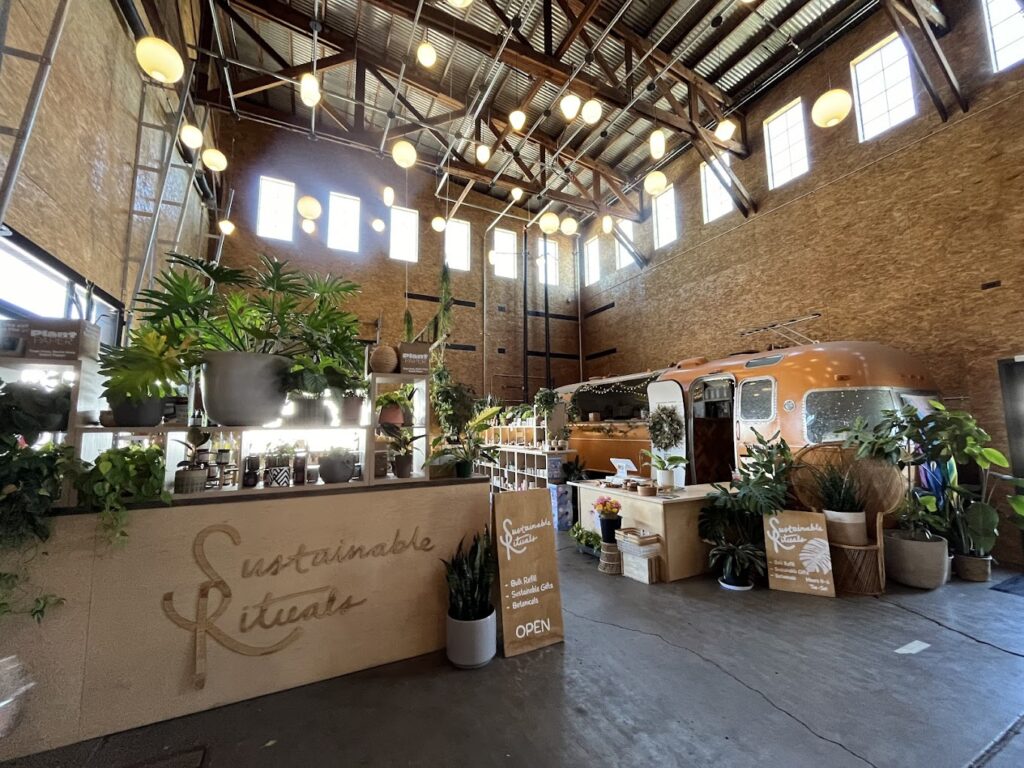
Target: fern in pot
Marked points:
667	432
472	621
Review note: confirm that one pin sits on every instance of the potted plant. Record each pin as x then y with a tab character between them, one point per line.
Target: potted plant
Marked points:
664	468
122	476
140	374
562	437
845	518
401	440
451	403
191	474
608	510
396	407
307	382
471	620
575	471
587	542
470	447
544	403
338	465
279	465
349	391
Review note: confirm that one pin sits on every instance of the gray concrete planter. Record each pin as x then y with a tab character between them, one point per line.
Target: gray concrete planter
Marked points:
244	389
138	413
921	563
472	644
337	467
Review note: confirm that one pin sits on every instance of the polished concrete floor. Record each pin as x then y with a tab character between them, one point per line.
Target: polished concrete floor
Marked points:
670	675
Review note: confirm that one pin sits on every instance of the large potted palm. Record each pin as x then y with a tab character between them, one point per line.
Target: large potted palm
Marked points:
471	621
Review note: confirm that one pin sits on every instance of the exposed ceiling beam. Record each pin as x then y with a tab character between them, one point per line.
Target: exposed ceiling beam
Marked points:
264	82
253	35
577	26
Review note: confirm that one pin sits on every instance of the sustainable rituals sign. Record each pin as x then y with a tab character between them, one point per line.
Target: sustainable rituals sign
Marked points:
799	560
531	603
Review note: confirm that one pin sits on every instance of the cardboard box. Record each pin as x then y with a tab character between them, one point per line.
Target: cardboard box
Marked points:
50	339
414	357
13	338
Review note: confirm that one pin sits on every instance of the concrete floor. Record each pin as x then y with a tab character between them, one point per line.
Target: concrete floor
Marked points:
670	675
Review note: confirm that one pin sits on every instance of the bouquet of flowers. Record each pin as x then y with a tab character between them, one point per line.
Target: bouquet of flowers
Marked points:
607	507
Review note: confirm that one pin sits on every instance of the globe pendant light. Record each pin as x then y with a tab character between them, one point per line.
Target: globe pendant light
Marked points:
517	193
591	111
190	136
159	60
308	226
570	106
378	225
569	226
655	183
607	224
657	144
309	207
438	223
483	154
492	257
404	154
517	119
831	108
309	89
548	223
226	226
214	159
389	196
426	54
725	130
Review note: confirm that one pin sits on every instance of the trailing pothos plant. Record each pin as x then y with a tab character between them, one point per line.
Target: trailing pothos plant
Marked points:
122	476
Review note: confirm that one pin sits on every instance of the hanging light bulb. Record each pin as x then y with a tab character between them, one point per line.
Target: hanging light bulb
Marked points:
438	223
517	193
655	183
309	207
426	54
378	225
226	226
389	196
548	223
570	106
726	129
190	136
159	60
657	144
483	154
607	224
517	119
308	226
591	111
404	154
491	257
214	159
309	89
569	226
459	3
831	108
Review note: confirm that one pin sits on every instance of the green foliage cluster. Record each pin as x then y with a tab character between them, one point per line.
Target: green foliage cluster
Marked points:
663	463
400	439
584	537
544	402
470	447
666	427
837	488
148	366
452	403
402	397
122	476
469	575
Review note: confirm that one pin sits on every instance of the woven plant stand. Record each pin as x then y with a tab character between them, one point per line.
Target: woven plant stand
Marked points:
611	559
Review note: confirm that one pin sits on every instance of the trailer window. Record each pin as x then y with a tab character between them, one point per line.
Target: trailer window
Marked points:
757	400
828	411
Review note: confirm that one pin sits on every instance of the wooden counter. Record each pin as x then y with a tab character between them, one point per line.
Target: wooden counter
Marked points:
672	516
208	604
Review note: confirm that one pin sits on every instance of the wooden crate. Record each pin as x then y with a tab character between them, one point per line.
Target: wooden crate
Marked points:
642	569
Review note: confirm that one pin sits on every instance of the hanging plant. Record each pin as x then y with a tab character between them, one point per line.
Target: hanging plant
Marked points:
666	427
408	335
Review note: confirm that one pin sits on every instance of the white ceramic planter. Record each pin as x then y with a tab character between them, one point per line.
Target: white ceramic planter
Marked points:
665	478
846	528
915	562
735	587
472	644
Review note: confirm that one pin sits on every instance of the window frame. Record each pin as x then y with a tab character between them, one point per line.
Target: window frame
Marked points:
415	234
512	255
858	109
705	174
803	403
798	105
658	244
291	210
623	258
355	226
990	38
774	398
469	244
589	279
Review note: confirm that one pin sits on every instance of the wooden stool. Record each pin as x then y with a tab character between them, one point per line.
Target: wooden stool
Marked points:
611	559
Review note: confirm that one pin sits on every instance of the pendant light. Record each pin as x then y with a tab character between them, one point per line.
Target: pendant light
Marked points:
378	225
388	196
492	257
570	106
517	193
569	226
159	60
214	159
309	207
607	224
483	154
226	226
655	183
404	154
591	112
517	119
657	144
459	3
308	226
426	54
438	223
309	89
831	108
726	129
548	223
190	136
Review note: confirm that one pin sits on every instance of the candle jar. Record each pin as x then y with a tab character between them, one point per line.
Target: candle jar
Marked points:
251	472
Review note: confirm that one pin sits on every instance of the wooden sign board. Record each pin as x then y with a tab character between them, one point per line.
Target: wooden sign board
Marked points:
796	544
531	602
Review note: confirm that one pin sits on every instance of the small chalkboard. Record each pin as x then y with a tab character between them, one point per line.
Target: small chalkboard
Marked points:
796	545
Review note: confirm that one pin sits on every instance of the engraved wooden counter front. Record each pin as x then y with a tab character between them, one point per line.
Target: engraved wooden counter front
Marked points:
210	604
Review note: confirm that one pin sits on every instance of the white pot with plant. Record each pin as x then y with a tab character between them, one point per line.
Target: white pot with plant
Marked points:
841	501
471	622
738	563
667	434
664	468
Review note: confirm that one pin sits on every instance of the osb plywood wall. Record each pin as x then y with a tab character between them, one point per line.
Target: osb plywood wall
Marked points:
488	316
891	240
72	195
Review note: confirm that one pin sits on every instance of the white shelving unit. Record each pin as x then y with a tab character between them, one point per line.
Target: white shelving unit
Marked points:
523	461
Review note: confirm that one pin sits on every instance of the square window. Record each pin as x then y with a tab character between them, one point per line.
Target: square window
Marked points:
548	267
456	245
665	218
275	217
786	144
505	253
622	256
714	193
592	259
882	88
343	223
405	234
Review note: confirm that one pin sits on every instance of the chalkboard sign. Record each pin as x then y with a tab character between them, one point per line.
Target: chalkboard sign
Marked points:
796	544
531	603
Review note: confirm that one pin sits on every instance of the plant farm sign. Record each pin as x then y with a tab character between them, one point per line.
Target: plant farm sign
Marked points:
796	545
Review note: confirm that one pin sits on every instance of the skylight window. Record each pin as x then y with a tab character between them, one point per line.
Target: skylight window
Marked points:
882	88
275	217
786	144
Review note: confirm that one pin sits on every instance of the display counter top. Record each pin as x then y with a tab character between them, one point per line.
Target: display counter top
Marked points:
675	496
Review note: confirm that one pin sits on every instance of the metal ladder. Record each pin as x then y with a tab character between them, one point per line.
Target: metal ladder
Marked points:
21	134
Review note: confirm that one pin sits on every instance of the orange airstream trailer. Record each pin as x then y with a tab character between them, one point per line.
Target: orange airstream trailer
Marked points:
806	393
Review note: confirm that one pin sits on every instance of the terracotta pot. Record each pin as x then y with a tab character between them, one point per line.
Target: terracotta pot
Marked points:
920	563
244	389
971	568
392	414
472	644
846	528
383	359
352	409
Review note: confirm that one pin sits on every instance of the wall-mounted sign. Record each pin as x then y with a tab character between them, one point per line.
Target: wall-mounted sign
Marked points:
799	560
531	603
